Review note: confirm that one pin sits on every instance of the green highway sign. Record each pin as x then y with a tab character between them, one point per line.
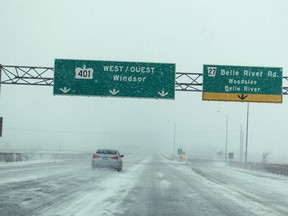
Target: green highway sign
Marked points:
114	79
242	83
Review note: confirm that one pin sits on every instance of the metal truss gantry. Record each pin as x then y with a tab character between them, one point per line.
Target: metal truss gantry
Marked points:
25	75
43	76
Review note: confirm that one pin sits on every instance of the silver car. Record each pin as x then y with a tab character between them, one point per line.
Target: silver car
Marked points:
107	158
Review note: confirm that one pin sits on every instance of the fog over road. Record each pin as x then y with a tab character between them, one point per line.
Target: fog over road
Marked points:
148	185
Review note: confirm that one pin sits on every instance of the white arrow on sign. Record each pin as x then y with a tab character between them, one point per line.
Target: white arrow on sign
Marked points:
163	94
65	90
114	91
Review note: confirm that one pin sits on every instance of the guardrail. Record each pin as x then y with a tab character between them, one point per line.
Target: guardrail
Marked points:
279	169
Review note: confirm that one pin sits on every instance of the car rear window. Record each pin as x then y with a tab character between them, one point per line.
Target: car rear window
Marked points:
104	151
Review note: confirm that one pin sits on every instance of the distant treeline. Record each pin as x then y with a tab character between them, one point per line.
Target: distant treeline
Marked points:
12	157
15	157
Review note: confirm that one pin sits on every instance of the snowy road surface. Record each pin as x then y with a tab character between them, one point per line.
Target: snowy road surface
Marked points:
148	185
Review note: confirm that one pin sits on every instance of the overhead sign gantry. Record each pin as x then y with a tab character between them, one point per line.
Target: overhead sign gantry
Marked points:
44	76
242	83
114	79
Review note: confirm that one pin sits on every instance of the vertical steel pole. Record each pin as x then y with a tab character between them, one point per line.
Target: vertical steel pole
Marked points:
174	140
247	125
0	76
226	144
226	139
1	126
241	144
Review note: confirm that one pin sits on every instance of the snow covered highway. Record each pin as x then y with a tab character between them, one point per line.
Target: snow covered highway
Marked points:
148	185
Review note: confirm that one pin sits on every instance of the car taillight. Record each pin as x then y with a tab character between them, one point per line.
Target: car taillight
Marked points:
115	157
95	156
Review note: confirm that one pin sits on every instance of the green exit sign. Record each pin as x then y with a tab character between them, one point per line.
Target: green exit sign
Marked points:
114	79
242	83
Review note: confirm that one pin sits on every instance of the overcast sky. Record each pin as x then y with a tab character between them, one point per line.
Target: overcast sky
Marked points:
188	33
